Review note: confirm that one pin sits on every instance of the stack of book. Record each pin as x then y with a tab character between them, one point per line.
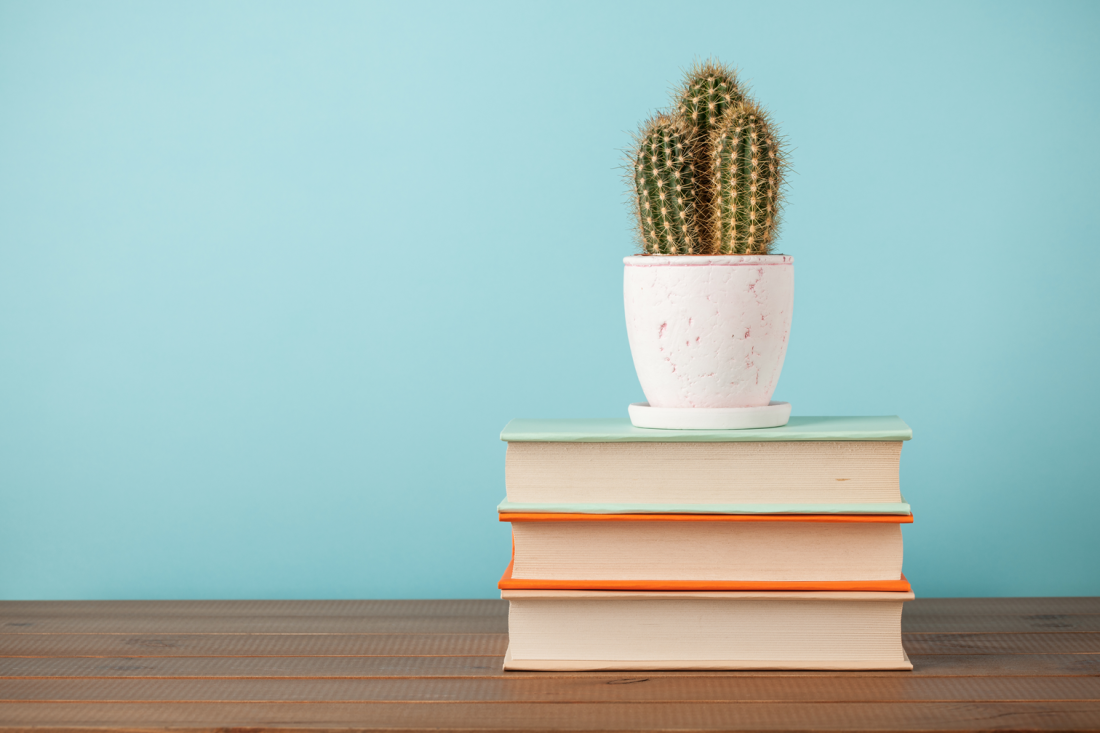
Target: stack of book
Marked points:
635	548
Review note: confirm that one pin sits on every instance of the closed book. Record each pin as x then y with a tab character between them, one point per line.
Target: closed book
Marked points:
616	630
844	465
706	551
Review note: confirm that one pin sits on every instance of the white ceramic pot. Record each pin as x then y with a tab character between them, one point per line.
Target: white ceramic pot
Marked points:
708	331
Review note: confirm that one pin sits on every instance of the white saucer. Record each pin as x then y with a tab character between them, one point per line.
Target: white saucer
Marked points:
773	415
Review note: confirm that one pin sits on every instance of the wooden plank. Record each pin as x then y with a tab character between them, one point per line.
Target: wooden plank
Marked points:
464	617
264	625
965	615
575	689
441	645
970	624
224	609
252	667
470	624
463	607
285	717
1035	606
1043	643
935	665
177	624
263	645
136	617
1004	665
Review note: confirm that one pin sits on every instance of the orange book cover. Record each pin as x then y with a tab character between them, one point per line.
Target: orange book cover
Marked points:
551	517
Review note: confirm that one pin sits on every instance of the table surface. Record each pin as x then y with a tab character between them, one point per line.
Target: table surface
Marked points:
980	664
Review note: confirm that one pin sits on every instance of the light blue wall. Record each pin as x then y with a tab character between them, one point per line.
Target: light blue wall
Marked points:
273	276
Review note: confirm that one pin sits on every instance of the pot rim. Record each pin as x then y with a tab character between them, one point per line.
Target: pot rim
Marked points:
706	260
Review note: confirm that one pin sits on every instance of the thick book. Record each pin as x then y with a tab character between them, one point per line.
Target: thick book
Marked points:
567	630
814	465
706	552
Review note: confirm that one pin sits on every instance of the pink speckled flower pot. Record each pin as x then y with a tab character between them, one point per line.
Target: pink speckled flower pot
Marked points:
708	331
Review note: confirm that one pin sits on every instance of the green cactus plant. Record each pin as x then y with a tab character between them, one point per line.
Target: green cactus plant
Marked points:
664	180
708	174
746	168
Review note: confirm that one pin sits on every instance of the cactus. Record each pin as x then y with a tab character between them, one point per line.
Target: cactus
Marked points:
708	174
746	168
664	179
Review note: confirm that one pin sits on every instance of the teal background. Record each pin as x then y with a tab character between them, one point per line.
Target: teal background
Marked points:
273	276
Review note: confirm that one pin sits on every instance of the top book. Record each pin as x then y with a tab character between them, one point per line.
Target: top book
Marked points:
847	465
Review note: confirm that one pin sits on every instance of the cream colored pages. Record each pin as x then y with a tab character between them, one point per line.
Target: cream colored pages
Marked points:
749	551
706	631
704	473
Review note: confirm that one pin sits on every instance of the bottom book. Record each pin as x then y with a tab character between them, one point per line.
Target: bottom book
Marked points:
573	630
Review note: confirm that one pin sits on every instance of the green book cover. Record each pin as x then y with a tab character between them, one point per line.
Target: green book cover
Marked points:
619	430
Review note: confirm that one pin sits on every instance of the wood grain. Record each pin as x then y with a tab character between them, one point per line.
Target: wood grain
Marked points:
494	624
255	717
980	664
941	665
252	645
576	689
964	624
1003	606
464	617
336	617
302	610
441	645
1041	643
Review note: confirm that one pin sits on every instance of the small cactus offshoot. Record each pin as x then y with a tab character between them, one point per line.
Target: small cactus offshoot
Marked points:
708	174
664	180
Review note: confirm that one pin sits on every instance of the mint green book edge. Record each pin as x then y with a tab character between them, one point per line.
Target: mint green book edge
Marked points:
901	507
619	430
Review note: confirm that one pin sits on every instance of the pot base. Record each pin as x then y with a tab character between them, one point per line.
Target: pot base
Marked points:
773	415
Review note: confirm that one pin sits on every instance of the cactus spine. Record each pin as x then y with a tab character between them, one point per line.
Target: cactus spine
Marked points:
664	179
746	167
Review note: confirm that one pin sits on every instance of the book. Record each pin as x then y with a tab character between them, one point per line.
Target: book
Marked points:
706	551
816	465
507	582
575	630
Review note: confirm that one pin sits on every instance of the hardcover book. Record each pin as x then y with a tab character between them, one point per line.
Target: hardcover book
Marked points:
817	465
615	630
706	551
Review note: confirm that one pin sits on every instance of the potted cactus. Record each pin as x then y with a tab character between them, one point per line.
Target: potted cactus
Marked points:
708	306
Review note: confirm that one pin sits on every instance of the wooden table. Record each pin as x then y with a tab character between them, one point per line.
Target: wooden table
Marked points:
981	664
